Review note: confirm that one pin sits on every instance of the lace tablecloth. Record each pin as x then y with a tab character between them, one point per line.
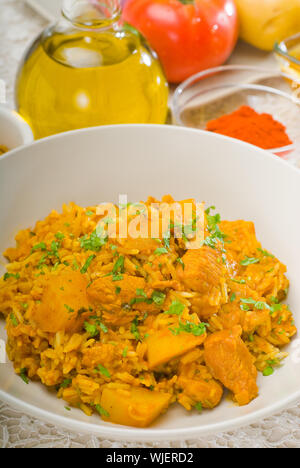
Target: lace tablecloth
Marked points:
18	25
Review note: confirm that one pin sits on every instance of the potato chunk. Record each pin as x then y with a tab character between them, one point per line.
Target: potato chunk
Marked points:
163	346
229	361
136	407
63	304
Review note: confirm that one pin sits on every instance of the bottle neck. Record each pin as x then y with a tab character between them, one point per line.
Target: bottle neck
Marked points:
92	14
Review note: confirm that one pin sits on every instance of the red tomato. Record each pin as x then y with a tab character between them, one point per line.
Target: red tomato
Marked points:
188	35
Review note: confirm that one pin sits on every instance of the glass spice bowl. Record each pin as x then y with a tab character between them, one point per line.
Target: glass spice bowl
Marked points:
288	56
210	94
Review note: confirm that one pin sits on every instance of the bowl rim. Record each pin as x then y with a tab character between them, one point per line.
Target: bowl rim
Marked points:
125	433
175	108
278	48
17	121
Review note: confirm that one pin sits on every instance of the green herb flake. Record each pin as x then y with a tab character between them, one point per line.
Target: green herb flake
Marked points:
23	375
125	351
189	327
242	281
59	236
158	297
66	383
89	213
69	309
180	261
11	275
265	253
91	329
249	261
103	371
87	264
176	308
199	407
135	330
14	320
232	297
160	251
119	265
102	411
41	246
268	371
118	290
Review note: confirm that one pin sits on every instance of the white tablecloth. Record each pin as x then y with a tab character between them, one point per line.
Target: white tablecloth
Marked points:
18	26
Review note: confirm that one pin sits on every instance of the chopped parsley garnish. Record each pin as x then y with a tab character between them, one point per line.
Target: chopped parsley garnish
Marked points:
41	246
118	278
160	251
167	241
259	305
118	290
91	329
249	261
69	309
66	383
89	213
119	266
85	267
75	264
199	407
242	281
103	371
125	351
135	330
14	320
158	297
265	253
180	261
95	242
60	236
103	327
11	275
102	411
67	408
268	371
176	308
232	297
189	327
23	375
216	235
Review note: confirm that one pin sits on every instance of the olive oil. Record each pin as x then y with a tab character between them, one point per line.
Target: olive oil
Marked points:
83	78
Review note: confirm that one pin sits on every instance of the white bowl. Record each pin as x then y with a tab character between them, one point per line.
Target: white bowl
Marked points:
14	130
98	164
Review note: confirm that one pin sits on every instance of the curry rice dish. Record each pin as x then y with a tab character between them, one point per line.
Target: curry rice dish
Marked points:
127	327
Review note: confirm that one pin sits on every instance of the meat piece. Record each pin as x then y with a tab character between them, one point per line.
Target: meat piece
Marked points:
229	361
197	384
204	273
64	303
116	298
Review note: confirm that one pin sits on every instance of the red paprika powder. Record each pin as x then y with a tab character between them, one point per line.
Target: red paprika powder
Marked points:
247	125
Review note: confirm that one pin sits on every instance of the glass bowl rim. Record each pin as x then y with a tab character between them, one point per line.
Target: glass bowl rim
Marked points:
175	108
278	48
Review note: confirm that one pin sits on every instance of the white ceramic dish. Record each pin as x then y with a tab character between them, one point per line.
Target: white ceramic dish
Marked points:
14	131
93	165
